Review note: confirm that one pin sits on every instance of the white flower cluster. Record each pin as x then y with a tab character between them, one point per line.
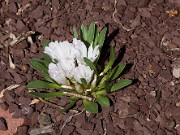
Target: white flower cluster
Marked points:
68	61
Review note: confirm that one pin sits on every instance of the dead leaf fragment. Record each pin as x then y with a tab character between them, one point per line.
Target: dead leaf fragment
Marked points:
12	123
172	12
34	101
11	64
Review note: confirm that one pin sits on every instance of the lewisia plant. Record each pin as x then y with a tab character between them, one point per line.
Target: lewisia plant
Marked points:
70	69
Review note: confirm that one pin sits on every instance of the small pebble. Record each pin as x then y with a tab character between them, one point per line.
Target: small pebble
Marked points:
24	68
178	104
153	93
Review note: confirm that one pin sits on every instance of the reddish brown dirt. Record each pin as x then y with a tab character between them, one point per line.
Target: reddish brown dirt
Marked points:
148	107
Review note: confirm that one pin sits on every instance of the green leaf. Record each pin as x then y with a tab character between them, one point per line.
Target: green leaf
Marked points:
96	35
99	92
36	64
90	106
101	84
46	59
71	103
121	84
111	60
47	95
42	84
84	83
84	32
101	37
90	64
75	32
91	33
107	86
48	78
45	43
103	101
116	71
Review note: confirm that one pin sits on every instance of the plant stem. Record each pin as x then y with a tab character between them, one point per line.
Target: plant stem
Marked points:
79	96
56	106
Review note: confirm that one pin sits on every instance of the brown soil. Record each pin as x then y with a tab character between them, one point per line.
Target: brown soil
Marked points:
152	46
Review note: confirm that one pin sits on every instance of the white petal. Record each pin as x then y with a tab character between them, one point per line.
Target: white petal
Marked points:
93	53
78	44
61	50
64	50
57	74
83	71
67	66
94	81
81	47
51	50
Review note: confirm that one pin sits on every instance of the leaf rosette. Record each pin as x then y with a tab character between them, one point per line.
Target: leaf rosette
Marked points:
71	69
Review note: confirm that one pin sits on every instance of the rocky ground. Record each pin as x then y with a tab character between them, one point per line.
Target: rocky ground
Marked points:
147	32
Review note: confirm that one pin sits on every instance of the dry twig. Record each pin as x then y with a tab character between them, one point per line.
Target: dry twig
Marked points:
56	106
21	37
114	18
24	7
11	87
59	15
69	119
104	127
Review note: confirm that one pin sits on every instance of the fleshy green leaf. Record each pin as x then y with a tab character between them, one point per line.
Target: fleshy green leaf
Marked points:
84	32
121	84
46	59
103	101
116	71
45	43
48	78
90	64
91	33
101	37
36	64
99	92
84	83
102	82
111	60
75	33
47	95
71	103
96	35
90	106
42	84
107	86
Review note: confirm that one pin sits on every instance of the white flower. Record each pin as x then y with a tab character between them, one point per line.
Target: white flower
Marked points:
65	53
83	71
57	74
89	53
70	61
61	50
